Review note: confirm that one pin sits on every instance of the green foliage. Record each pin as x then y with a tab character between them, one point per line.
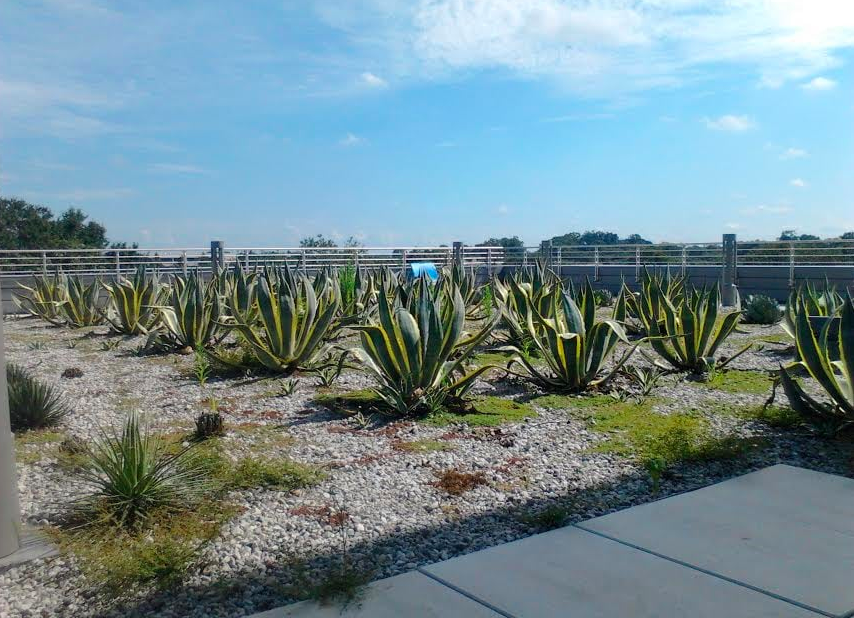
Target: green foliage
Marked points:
201	366
817	351
133	303
44	298
549	518
28	226
273	473
192	316
511	242
484	412
423	446
286	388
740	381
759	309
32	403
646	378
295	320
814	302
209	424
134	473
79	307
416	352
487	302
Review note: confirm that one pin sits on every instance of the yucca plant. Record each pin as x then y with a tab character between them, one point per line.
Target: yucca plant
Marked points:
686	331
79	308
192	316
133	303
572	342
32	403
134	472
818	350
44	298
417	352
294	320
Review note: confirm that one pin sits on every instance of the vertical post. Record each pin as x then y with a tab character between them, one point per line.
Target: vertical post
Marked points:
184	262
403	262
791	264
489	261
10	510
118	264
637	264
246	259
356	258
44	262
217	252
596	264
458	254
303	256
684	259
729	293
546	251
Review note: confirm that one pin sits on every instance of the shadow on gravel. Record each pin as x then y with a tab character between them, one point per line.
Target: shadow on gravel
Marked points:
290	578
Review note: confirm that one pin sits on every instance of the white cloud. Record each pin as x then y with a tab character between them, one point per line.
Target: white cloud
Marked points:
819	84
798	182
351	140
793	153
178	168
733	226
730	122
503	209
373	81
82	195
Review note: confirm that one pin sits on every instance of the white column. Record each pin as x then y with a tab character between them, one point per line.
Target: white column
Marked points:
10	510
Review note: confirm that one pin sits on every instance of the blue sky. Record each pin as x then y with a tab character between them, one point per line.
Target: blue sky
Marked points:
427	121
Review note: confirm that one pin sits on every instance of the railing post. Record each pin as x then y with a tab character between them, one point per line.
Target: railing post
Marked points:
217	255
489	261
791	264
184	262
403	262
596	264
458	253
729	292
356	258
303	264
10	510
44	262
684	260
246	259
546	251
637	264
118	264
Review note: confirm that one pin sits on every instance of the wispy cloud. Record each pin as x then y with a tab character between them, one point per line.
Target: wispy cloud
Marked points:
82	195
730	123
768	209
798	182
818	84
178	168
350	140
579	117
373	81
793	153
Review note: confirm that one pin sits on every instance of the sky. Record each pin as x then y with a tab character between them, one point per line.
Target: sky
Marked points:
423	122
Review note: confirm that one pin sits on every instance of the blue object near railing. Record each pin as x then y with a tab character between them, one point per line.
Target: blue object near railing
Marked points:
423	269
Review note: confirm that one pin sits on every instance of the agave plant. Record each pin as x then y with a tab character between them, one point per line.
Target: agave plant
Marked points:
238	289
457	278
79	308
192	316
824	303
646	306
687	332
133	473
44	298
517	300
573	343
133	303
417	352
32	403
817	351
294	320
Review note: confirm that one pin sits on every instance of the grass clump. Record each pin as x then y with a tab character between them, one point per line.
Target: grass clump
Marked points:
484	412
342	585
740	381
32	403
549	518
273	473
423	446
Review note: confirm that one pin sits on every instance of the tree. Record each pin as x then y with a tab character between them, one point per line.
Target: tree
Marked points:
636	239
793	235
508	243
30	226
318	241
847	236
597	237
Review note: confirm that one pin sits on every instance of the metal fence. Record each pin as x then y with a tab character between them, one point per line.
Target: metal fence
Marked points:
111	262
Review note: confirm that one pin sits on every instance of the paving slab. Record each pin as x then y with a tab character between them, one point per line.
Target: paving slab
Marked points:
572	572
34	545
411	594
783	530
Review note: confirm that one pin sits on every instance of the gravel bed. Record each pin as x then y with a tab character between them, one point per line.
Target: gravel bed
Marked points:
397	517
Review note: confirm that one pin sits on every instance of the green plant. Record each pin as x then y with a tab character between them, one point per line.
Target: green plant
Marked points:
294	320
79	307
36	345
287	387
836	377
417	353
201	366
487	301
759	309
238	289
572	342
44	297
133	473
133	303
209	424
655	466
603	298
192	316
824	303
273	473
110	344
646	378
32	403
331	370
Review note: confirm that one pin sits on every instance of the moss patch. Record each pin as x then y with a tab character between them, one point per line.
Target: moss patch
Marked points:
423	446
490	358
775	416
485	412
570	402
33	446
273	473
738	381
38	437
363	400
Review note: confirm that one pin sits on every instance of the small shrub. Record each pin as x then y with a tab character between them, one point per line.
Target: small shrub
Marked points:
549	518
457	483
36	345
209	424
759	309
201	367
134	473
72	372
286	387
32	403
603	298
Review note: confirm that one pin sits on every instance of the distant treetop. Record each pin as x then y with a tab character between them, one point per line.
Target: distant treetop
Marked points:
320	241
507	243
598	237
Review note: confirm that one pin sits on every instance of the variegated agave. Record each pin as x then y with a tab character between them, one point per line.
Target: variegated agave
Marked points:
192	314
293	320
818	351
417	352
80	305
572	342
132	309
825	303
238	290
43	299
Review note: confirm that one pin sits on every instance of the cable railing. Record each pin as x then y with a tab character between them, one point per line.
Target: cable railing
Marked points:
113	262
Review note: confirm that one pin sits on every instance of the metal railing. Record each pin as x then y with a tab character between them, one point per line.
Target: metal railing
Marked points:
112	262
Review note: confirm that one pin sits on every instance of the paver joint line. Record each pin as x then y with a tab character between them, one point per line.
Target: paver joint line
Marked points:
466	594
714	574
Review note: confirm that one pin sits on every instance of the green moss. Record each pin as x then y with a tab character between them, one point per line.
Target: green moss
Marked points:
490	358
352	402
773	338
570	402
485	412
423	446
273	473
38	437
774	416
740	381
33	446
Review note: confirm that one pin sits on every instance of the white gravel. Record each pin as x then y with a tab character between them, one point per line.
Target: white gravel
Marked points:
397	519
